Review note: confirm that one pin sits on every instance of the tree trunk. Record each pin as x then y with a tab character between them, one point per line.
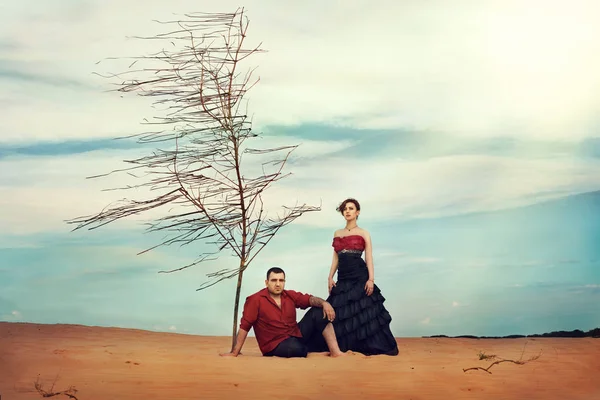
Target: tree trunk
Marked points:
236	306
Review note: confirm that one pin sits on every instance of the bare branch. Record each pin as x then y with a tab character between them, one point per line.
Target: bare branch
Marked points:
70	392
520	361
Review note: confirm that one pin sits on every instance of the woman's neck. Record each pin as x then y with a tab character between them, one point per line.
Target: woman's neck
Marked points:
351	225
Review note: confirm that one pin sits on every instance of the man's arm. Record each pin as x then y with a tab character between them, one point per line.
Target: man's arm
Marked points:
328	311
315	301
249	317
239	342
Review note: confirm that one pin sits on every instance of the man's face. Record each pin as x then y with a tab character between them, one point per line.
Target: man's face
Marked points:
275	283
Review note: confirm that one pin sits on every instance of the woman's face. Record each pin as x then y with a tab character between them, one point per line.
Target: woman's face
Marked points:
350	211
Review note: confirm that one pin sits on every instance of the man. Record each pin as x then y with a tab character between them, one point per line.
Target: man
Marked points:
272	313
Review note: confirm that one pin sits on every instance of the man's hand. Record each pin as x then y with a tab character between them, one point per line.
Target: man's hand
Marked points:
328	312
230	354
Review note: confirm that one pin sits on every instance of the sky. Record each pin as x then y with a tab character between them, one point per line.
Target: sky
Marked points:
468	131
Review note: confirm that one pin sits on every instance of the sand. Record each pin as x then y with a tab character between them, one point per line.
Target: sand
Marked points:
114	363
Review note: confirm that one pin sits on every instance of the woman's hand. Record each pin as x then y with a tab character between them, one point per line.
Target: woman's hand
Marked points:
330	284
369	287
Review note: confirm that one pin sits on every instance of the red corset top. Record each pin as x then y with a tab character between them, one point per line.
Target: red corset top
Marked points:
351	242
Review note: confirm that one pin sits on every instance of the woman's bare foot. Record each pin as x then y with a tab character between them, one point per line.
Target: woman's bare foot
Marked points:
320	354
341	354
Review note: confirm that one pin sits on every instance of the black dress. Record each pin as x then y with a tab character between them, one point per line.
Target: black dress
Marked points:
362	323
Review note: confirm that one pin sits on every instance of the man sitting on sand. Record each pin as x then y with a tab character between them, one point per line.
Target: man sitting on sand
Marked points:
272	313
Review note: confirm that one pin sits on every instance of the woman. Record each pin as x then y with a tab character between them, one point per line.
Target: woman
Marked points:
361	323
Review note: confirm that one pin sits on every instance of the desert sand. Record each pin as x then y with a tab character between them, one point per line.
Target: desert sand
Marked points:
115	363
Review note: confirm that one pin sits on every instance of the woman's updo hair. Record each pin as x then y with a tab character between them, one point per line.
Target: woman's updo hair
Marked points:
341	207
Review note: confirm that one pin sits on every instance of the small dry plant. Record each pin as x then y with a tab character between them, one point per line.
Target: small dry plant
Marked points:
70	392
520	361
483	356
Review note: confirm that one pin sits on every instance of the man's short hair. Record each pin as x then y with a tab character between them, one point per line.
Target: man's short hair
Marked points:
275	270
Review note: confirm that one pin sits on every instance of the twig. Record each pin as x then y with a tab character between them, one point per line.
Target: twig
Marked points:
518	362
70	392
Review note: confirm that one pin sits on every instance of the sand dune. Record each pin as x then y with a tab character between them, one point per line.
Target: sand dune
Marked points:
114	363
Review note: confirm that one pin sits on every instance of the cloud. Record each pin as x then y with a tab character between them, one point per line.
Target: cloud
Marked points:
557	287
586	289
42	192
396	188
393	254
20	76
422	260
66	113
380	67
456	304
11	316
68	147
8	45
426	321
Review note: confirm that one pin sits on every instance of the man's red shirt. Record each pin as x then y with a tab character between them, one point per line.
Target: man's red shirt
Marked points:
272	325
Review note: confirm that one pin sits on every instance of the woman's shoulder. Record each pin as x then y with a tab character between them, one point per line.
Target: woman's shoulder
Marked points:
362	232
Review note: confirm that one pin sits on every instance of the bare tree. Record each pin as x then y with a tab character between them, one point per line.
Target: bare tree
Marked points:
200	178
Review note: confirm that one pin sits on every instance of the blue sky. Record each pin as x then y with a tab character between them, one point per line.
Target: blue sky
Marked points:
468	144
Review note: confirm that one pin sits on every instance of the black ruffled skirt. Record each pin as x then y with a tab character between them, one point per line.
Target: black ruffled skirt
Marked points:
362	323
